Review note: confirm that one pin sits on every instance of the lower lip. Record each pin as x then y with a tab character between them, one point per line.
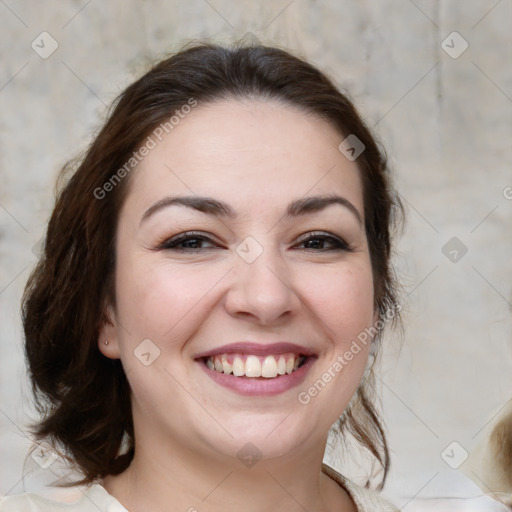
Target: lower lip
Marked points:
260	386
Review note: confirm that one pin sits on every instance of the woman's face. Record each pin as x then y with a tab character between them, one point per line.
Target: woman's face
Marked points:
233	261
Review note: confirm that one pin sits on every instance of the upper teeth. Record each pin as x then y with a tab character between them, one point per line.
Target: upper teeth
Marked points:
254	366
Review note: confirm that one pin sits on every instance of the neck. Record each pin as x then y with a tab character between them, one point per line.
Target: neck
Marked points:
183	480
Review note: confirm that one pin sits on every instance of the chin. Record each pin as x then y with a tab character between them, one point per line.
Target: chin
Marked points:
274	437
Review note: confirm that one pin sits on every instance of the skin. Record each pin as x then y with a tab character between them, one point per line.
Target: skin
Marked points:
257	156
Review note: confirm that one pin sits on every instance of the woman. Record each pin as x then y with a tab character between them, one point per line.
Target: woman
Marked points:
215	278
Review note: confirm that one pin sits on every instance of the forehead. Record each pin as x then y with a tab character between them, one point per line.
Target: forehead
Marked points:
250	152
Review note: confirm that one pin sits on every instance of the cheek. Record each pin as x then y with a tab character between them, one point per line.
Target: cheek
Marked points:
342	299
162	304
343	304
157	301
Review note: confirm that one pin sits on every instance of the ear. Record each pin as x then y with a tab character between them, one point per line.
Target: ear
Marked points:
108	339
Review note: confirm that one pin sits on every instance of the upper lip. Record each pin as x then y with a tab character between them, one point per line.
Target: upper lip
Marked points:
257	349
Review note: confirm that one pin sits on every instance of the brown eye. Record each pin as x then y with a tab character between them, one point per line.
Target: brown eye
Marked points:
187	242
323	242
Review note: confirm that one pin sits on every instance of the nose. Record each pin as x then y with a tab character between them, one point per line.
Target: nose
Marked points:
262	291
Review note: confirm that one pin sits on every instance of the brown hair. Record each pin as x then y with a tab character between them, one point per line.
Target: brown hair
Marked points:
84	397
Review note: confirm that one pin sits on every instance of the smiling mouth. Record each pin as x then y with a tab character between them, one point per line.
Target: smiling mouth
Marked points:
254	366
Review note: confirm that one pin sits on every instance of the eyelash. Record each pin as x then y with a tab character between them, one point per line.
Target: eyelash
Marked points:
172	243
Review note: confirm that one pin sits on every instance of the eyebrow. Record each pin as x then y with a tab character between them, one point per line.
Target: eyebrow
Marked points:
218	208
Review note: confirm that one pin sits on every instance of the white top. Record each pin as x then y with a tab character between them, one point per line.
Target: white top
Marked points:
95	498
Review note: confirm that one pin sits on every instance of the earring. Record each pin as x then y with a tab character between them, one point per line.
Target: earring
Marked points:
106	342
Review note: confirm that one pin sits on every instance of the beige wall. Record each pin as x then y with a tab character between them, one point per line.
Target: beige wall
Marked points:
446	124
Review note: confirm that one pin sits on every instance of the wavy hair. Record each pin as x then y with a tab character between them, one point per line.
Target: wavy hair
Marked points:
83	397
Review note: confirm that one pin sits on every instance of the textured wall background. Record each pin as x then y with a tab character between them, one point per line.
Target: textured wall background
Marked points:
444	118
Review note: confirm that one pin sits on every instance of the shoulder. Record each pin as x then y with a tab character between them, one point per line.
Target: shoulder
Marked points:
93	499
366	500
20	503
